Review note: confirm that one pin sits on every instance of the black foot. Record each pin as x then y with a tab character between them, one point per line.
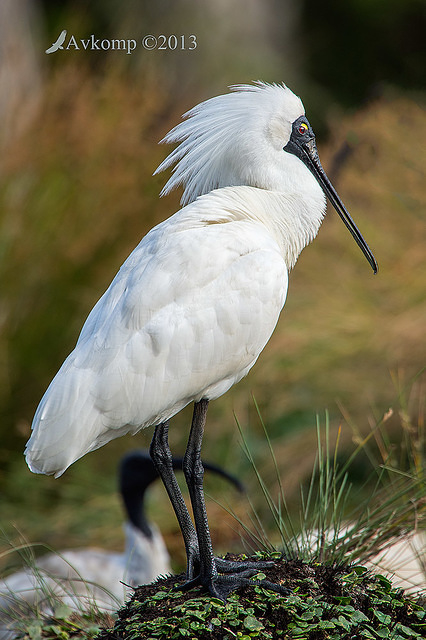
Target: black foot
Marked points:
223	565
222	585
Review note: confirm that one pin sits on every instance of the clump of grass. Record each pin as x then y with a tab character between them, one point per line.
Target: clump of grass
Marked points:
389	506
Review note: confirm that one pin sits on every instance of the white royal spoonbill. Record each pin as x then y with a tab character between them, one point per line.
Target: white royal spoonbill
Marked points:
84	578
190	310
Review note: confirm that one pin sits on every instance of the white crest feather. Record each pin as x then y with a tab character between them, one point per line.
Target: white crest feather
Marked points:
220	131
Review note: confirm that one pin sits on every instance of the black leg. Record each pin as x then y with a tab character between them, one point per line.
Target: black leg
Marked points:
194	474
238	574
162	459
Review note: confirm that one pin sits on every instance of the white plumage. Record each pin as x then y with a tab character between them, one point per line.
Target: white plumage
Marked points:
236	139
83	578
193	306
404	560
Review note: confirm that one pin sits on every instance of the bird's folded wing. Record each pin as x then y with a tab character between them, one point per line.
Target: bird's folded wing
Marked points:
186	317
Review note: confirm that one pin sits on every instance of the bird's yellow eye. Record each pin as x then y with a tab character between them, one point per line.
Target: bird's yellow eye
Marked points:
302	128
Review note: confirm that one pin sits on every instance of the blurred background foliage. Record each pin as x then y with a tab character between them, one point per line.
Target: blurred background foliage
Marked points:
79	146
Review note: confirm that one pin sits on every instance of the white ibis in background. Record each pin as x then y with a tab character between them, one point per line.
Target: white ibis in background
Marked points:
95	578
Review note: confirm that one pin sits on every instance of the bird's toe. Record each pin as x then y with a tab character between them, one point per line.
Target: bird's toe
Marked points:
221	585
224	565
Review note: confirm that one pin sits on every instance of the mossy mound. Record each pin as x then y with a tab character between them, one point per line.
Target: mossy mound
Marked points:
326	603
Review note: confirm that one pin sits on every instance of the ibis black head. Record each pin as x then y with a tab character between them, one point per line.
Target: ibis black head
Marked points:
137	472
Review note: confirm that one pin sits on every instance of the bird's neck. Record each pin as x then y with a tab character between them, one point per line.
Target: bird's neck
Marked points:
145	558
292	218
135	508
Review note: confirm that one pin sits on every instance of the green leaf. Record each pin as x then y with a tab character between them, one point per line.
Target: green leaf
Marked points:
196	626
298	633
234	622
407	631
384	582
343	599
293	600
34	630
307	615
343	622
62	611
217	603
360	570
384	618
57	632
259	576
326	624
359	616
302	623
252	624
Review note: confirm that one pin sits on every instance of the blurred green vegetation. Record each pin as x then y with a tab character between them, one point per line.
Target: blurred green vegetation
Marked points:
76	196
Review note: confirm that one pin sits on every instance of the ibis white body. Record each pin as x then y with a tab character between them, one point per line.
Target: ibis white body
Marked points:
404	561
191	309
89	577
82	579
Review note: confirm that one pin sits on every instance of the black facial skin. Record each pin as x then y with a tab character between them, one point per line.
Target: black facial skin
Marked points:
302	144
